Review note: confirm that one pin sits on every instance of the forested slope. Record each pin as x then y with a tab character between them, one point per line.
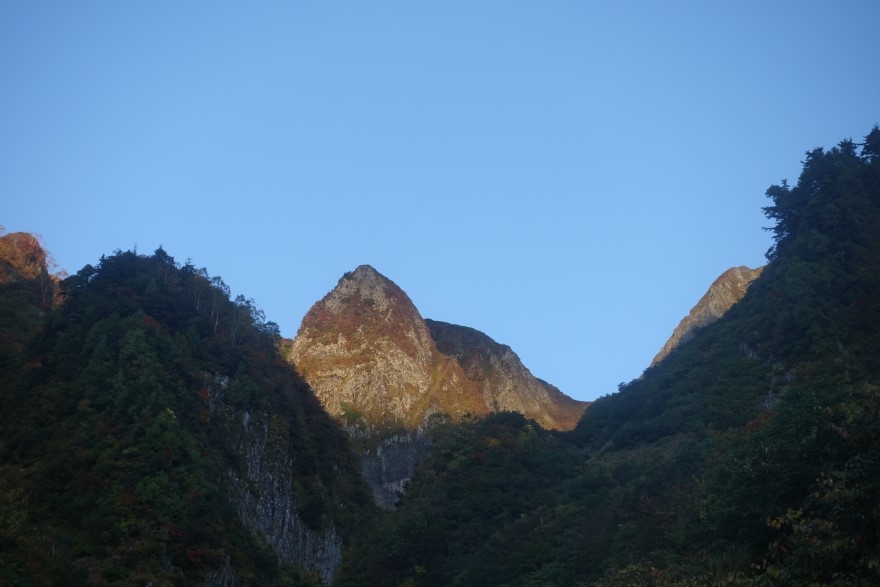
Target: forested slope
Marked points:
152	434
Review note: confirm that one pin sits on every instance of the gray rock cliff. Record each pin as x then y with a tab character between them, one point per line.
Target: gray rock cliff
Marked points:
263	486
388	467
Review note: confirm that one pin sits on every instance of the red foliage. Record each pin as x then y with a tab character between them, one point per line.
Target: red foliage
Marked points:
195	555
151	322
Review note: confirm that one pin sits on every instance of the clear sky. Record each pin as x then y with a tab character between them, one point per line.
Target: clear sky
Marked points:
568	177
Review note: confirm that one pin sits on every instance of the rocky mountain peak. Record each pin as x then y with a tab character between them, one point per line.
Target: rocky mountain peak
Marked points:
370	356
367	307
369	287
725	291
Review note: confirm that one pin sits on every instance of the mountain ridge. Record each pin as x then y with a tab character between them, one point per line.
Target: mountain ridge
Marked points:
506	384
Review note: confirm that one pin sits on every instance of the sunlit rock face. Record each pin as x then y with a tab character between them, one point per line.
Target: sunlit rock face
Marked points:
370	356
726	291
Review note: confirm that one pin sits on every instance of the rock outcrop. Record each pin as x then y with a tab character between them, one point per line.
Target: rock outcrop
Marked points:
23	260
724	292
369	356
28	288
22	257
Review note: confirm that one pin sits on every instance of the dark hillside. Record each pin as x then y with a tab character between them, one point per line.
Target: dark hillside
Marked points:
154	435
782	393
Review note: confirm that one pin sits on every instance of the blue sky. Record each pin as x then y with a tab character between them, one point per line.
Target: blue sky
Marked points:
568	177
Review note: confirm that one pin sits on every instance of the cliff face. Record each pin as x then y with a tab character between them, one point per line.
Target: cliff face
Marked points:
370	356
388	467
724	292
263	486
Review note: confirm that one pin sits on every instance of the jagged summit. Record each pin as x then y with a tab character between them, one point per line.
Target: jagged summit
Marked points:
368	354
725	291
367	285
364	292
365	270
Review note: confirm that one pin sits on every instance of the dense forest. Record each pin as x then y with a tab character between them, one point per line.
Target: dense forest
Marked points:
751	454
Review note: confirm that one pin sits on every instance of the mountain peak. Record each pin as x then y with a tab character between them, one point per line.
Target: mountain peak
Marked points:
366	351
367	283
365	275
364	271
363	296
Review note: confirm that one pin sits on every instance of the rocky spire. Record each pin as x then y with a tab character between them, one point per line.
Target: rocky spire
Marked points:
368	354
